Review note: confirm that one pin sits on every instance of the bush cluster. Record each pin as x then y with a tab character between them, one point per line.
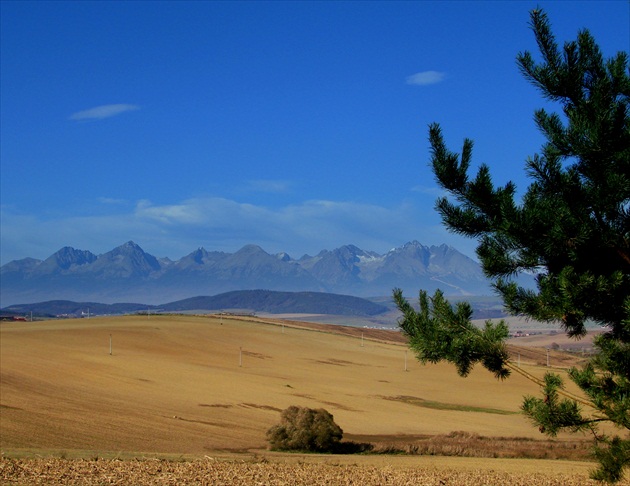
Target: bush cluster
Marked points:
305	429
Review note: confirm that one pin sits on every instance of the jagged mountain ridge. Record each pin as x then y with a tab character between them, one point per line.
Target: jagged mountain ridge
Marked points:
129	273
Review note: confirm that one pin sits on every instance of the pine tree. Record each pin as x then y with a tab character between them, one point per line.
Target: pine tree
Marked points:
571	229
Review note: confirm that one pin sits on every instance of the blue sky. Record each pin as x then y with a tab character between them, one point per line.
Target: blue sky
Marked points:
297	126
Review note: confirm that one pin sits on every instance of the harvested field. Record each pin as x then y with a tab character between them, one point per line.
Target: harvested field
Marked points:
210	471
192	386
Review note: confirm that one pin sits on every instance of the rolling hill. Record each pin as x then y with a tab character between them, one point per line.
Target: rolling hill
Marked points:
200	385
248	301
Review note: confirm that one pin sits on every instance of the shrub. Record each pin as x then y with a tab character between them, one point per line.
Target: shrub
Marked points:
305	429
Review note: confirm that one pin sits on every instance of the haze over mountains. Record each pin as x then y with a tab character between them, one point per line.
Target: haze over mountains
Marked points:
129	274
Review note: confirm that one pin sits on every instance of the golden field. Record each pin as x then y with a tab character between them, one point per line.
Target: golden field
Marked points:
206	389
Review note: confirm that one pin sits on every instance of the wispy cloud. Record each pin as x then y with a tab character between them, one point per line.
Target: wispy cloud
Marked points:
268	185
111	200
216	223
433	191
425	78
103	111
184	213
308	226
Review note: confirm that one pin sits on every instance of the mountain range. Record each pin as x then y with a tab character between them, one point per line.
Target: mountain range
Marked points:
129	274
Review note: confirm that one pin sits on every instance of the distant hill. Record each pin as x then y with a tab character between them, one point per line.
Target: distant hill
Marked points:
57	308
266	301
128	273
275	302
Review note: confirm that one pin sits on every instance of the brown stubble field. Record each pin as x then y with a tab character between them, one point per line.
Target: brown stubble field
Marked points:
208	388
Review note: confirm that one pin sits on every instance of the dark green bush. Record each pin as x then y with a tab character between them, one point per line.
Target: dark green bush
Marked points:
305	429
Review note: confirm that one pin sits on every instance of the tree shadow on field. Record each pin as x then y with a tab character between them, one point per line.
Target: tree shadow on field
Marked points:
352	447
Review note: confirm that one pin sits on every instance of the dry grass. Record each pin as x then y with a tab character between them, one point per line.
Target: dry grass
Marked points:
466	444
201	385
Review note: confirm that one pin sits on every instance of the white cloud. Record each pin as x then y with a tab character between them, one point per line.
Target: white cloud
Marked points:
111	200
425	78
174	230
308	226
174	214
433	191
103	111
268	185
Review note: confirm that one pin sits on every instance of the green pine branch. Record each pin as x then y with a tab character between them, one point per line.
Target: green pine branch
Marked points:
571	229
